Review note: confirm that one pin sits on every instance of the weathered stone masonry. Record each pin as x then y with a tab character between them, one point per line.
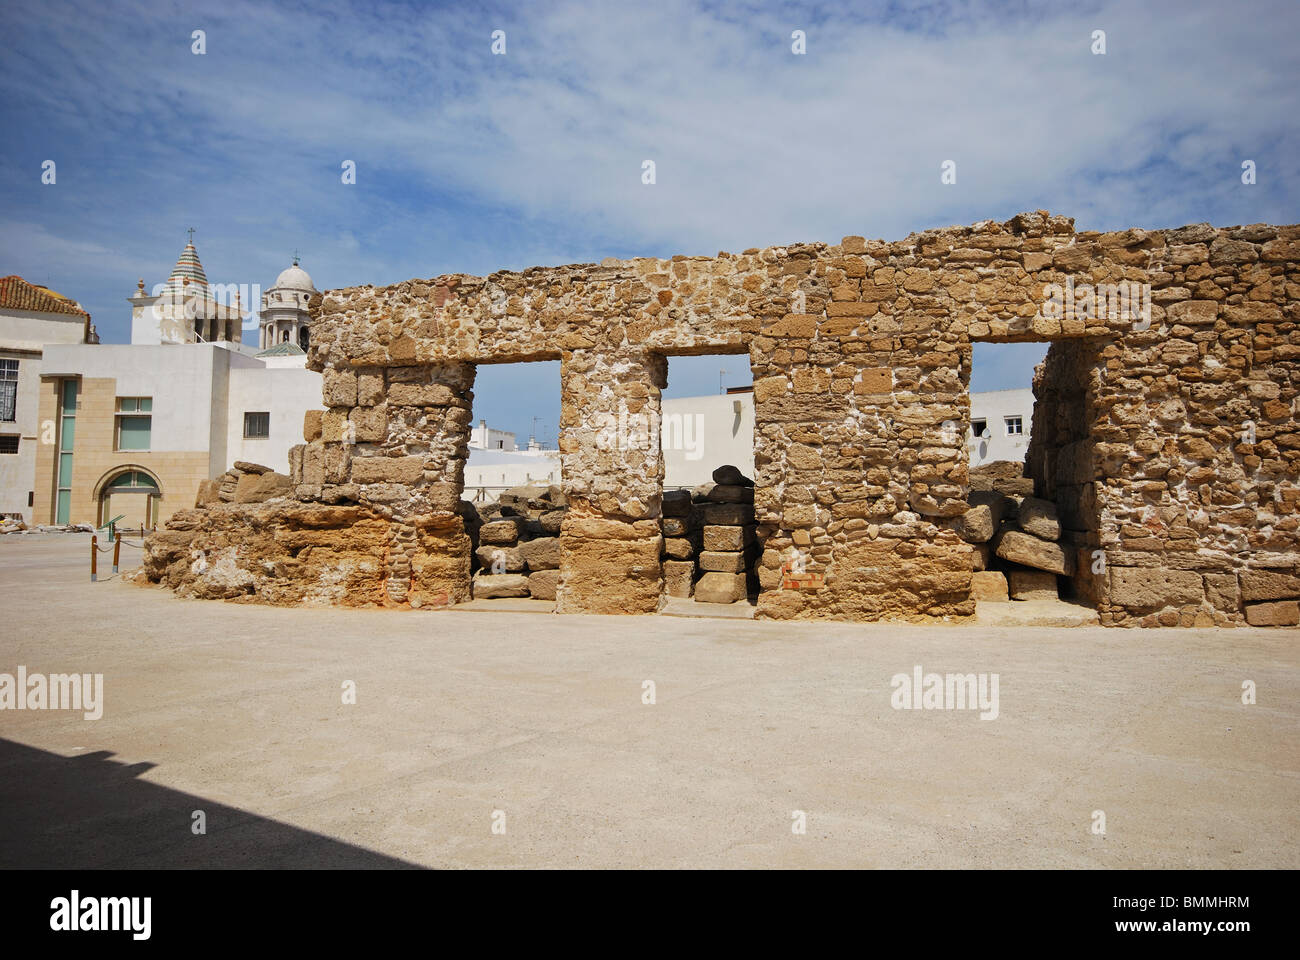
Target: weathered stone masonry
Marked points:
1173	451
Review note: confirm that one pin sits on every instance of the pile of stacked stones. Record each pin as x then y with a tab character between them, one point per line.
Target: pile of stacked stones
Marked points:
244	483
1017	553
682	538
729	547
516	543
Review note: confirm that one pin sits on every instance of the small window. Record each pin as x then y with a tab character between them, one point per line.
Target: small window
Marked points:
9	443
8	390
1014	426
257	425
134	431
979	428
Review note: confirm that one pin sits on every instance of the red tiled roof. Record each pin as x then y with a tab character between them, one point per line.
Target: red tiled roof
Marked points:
17	294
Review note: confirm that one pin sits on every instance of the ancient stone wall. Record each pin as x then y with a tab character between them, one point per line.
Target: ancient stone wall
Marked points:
1180	424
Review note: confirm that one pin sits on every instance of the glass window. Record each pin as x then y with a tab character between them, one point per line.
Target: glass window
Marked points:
8	390
1014	427
9	443
133	433
257	424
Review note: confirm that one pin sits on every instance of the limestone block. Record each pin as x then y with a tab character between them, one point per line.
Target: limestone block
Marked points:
1280	613
731	493
488	585
499	559
1040	554
1260	585
728	538
503	532
679	577
1039	518
722	561
542	553
716	587
542	584
1031	585
988	586
1153	587
406	470
976	524
679	548
728	514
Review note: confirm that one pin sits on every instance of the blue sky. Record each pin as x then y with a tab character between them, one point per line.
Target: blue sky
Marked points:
469	162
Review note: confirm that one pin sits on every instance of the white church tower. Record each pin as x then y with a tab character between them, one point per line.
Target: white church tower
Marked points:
284	317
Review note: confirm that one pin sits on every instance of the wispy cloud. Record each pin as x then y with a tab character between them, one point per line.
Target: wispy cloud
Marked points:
471	162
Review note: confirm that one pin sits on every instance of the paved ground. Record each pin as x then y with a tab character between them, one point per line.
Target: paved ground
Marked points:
236	710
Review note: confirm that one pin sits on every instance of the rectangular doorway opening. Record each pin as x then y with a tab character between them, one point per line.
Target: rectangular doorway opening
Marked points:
1030	441
513	496
711	550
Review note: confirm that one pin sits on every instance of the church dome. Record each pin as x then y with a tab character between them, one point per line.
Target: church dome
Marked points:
295	278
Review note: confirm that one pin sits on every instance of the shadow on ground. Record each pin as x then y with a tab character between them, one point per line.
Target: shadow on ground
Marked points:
90	811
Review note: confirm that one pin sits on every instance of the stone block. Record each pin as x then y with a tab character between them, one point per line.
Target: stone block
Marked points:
731	493
488	585
1280	613
727	538
499	559
728	514
1154	587
716	587
988	586
677	503
407	470
1030	551
1260	585
976	524
722	561
503	532
679	548
679	577
542	553
543	584
1031	585
1039	518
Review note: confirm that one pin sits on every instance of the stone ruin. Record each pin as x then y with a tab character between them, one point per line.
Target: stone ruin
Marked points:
1166	428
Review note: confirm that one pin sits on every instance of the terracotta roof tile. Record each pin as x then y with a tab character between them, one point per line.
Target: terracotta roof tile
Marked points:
17	294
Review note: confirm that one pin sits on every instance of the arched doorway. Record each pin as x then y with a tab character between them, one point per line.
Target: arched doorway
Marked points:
132	494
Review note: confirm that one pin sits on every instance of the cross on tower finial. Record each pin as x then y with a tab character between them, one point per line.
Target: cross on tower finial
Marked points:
295	257
190	231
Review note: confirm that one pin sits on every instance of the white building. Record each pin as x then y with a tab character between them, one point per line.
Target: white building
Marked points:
1000	421
699	434
484	437
138	427
31	316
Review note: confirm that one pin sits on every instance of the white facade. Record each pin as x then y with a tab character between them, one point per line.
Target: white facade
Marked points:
489	472
23	336
484	437
1000	423
700	434
201	393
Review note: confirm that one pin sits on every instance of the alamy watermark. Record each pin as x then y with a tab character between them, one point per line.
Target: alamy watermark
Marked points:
950	691
57	691
1127	300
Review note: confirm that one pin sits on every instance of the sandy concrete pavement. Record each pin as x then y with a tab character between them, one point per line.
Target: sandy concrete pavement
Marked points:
236	710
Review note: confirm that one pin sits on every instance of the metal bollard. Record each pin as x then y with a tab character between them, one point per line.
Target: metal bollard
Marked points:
117	552
94	558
